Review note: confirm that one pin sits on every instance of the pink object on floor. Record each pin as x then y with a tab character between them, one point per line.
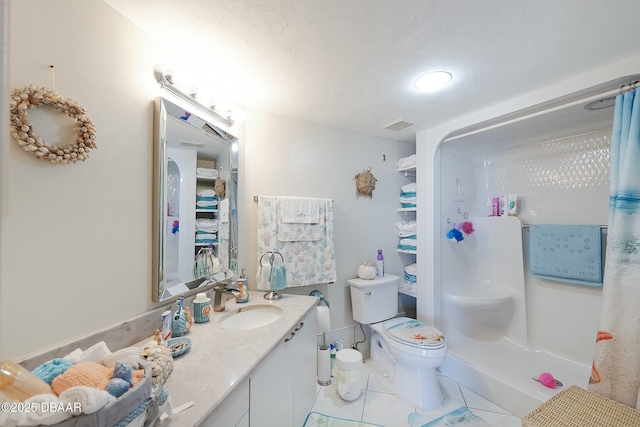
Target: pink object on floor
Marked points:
547	380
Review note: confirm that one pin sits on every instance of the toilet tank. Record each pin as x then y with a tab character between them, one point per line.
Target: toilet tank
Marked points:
374	300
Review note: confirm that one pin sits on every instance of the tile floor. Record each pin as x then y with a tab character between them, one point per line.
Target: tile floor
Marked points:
381	407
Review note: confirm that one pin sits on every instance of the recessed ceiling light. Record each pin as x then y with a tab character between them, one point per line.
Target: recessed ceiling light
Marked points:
431	82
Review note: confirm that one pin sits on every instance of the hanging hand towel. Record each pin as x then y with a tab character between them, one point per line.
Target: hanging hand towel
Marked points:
566	253
299	210
278	279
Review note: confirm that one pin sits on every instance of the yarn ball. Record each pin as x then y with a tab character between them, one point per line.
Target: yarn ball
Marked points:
467	227
123	372
455	235
51	369
117	387
547	380
84	373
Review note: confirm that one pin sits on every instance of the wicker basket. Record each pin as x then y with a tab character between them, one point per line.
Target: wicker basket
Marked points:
576	407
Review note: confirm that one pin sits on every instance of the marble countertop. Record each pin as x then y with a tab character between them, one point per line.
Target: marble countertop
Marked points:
220	359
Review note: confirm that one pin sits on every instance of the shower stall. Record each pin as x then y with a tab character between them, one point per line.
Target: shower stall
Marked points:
502	325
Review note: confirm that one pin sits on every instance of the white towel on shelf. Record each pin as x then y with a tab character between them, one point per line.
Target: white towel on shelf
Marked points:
407	226
206	204
207	172
412	269
299	210
409	188
408	242
407	234
206	192
407	162
206	224
408	199
224	210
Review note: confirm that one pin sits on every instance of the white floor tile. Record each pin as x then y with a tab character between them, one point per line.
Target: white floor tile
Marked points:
379	406
498	420
474	401
329	403
386	409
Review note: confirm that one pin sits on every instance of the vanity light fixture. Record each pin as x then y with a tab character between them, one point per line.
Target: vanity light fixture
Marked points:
164	77
433	81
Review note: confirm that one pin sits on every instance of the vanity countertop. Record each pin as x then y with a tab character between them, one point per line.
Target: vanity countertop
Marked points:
220	359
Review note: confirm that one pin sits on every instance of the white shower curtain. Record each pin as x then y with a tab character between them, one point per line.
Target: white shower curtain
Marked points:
616	365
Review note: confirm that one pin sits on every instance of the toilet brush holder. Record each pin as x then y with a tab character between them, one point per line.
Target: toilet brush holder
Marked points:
324	365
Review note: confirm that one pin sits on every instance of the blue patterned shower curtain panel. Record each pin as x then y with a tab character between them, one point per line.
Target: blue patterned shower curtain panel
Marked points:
616	365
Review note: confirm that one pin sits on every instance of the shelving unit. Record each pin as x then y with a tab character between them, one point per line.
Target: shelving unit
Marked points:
200	213
408	172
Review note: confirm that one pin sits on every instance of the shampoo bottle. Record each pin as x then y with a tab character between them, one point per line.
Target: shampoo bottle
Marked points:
380	264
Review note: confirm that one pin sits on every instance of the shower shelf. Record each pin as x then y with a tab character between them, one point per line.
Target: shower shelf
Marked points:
481	298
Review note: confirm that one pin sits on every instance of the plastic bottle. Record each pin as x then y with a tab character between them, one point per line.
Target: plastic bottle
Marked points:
380	264
17	383
332	353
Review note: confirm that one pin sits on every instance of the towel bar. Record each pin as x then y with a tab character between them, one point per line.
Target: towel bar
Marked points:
527	226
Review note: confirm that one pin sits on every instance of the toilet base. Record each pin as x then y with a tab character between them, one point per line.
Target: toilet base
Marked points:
417	385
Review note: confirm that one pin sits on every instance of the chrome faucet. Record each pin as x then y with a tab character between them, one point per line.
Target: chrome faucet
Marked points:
218	294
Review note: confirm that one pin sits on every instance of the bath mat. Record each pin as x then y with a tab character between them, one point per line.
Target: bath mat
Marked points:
462	417
315	419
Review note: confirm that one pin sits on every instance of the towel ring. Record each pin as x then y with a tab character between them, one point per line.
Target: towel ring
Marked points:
271	295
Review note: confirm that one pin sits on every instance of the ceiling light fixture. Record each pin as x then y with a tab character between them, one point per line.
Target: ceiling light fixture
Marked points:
432	82
164	77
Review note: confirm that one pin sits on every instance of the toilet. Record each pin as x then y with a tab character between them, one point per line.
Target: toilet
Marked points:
404	352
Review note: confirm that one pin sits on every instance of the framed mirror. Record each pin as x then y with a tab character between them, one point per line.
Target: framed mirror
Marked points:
195	186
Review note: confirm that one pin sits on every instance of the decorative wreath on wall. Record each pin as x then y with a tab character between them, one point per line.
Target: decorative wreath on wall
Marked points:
22	100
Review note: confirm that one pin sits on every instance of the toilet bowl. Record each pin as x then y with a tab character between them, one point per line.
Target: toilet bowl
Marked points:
404	352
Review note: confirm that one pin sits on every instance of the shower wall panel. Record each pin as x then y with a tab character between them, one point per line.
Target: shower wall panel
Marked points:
562	181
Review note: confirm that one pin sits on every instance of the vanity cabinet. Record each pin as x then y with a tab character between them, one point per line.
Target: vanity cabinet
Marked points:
234	410
283	388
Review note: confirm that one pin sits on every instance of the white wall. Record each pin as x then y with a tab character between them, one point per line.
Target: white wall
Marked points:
76	239
291	158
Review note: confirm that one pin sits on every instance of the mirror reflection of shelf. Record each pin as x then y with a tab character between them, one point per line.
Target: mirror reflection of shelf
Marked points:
206	244
205	178
207	210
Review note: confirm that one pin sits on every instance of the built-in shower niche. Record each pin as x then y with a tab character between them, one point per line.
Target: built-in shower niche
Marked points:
486	299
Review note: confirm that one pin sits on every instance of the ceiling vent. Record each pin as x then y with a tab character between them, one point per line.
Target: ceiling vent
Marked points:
398	125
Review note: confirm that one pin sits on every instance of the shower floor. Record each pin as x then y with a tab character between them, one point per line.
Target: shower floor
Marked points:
502	372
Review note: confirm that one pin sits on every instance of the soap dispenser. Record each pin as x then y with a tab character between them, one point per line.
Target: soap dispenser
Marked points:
243	295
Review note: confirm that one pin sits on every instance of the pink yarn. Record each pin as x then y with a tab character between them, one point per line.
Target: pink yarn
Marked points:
467	227
547	380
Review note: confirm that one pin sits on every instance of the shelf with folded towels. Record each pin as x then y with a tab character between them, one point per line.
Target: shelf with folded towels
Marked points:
407	209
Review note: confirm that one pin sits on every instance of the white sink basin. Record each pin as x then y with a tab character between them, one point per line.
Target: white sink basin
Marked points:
250	317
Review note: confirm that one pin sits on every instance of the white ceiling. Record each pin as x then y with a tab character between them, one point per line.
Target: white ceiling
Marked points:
350	64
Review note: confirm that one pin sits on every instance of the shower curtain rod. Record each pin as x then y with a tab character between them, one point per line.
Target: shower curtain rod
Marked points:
527	226
595	97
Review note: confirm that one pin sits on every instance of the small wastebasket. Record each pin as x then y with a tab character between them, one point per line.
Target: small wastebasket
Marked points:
349	374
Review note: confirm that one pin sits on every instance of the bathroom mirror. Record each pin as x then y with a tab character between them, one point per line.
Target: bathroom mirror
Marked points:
195	185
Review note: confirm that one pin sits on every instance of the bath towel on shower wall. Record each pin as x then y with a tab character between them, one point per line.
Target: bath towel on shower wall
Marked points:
566	253
306	262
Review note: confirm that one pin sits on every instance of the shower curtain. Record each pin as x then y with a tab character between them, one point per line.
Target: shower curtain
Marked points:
616	365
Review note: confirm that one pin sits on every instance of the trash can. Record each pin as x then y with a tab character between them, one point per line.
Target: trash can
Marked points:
349	374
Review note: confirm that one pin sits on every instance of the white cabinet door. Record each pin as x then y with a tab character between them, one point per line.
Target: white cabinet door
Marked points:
282	389
232	410
271	394
305	368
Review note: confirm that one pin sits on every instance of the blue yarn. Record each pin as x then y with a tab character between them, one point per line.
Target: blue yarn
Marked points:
123	372
51	369
117	387
278	279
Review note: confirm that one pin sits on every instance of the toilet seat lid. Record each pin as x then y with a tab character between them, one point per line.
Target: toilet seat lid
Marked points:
413	332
